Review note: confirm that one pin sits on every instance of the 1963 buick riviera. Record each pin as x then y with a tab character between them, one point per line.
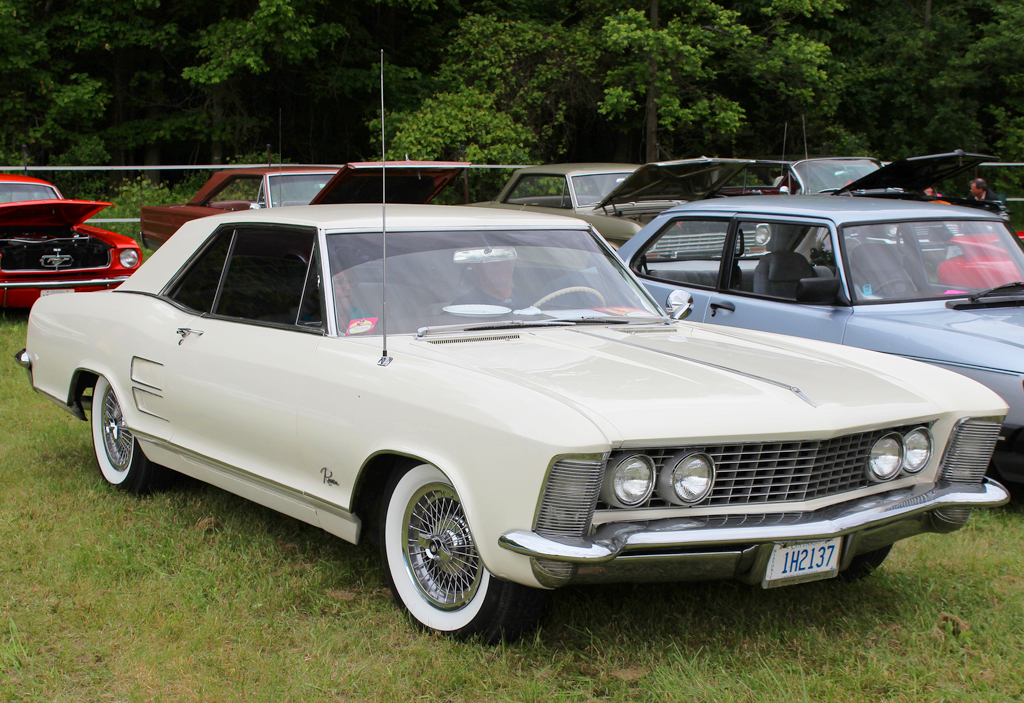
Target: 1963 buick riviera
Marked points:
529	418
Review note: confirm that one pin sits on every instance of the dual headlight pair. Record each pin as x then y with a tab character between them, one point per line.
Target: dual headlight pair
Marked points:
631	477
894	452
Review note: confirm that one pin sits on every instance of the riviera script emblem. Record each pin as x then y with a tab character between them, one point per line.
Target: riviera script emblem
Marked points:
55	260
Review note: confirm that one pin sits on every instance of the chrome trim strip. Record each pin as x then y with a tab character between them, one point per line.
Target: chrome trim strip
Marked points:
260	482
614	539
23	359
799	393
65	284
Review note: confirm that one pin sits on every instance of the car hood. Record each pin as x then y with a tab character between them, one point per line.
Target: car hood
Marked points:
414	182
42	213
686	180
919	172
984	337
647	384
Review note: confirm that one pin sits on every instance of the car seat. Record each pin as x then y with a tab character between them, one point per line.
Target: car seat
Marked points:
779	271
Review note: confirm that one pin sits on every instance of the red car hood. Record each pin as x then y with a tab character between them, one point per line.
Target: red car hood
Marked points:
38	213
413	182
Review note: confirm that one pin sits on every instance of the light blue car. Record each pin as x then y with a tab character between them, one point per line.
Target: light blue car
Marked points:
928	281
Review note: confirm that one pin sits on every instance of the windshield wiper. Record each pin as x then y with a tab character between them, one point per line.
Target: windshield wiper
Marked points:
986	293
617	320
496	325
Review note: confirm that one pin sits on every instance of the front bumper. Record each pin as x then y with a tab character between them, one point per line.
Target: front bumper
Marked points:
737	546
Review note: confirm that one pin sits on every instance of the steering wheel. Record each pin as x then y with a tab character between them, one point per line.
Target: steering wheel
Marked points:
893	287
570	289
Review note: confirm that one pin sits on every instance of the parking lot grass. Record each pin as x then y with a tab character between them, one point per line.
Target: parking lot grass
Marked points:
195	594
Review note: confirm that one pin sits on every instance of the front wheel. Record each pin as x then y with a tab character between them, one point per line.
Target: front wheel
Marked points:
433	567
118	454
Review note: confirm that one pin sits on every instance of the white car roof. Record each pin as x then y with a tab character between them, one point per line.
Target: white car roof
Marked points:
364	217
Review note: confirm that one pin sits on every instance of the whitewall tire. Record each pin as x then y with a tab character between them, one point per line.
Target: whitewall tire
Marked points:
433	566
118	454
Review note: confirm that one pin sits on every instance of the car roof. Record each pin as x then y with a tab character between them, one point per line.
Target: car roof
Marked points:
360	217
15	178
578	169
832	207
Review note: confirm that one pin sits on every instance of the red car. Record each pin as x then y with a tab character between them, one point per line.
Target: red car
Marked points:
280	186
45	248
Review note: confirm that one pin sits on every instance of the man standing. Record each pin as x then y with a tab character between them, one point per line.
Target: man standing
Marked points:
980	191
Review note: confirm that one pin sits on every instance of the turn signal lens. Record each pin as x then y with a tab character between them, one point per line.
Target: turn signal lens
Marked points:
686	478
129	258
886	457
628	481
918	444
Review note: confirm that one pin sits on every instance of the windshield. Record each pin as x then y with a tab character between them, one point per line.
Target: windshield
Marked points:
468	277
296	189
590	190
915	260
19	192
825	175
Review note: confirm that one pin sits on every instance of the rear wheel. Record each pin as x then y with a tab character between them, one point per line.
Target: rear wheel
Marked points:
118	454
865	564
433	567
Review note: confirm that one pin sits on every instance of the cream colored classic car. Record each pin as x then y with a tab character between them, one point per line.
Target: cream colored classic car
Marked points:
518	415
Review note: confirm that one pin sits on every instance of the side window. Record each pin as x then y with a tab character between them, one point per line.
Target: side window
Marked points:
687	252
778	254
237	192
541	191
265	275
197	289
311	310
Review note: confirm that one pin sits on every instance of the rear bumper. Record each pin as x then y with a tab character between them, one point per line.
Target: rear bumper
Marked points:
737	546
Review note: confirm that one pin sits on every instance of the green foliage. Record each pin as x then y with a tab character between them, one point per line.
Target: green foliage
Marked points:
82	185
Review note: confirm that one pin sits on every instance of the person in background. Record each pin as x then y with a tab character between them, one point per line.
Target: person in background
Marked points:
980	191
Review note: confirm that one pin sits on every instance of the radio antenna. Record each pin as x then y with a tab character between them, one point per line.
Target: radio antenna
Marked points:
384	358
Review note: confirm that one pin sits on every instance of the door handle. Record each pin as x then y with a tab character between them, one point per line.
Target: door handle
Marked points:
724	305
186	331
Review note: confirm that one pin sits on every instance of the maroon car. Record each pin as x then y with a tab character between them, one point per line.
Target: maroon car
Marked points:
46	248
281	186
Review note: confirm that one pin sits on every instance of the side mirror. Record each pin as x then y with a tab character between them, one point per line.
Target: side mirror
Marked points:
818	290
784	190
679	304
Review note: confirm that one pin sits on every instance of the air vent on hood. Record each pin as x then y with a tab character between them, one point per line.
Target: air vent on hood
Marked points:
489	338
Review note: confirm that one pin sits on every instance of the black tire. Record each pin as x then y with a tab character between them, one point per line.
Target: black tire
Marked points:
865	564
434	570
118	454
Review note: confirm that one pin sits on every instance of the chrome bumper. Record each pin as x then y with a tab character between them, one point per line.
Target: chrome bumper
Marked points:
115	281
735	546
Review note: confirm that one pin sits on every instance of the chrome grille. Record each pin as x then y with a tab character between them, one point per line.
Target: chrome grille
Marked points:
570	495
969	450
778	472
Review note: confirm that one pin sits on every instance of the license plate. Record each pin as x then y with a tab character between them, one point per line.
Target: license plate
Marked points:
55	291
802	561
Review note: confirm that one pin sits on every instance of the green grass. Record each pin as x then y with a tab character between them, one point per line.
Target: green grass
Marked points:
196	594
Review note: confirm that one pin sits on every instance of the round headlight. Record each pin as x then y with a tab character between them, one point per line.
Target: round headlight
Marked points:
628	481
686	478
129	258
918	445
763	233
886	457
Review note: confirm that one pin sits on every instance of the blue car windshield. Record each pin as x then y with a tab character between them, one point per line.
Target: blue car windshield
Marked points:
463	277
895	261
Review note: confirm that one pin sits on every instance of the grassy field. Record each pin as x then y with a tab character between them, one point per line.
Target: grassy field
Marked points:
195	594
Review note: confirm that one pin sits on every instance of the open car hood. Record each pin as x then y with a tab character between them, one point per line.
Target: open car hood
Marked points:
686	180
918	172
413	182
40	213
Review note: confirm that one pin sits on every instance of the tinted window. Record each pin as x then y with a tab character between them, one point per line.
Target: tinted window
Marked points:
265	275
198	287
541	191
239	188
686	251
311	311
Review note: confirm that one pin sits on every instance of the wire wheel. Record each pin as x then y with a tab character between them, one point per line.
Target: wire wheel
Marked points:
118	440
439	548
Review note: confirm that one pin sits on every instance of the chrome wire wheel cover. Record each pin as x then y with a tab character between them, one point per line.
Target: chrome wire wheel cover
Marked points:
117	439
439	548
